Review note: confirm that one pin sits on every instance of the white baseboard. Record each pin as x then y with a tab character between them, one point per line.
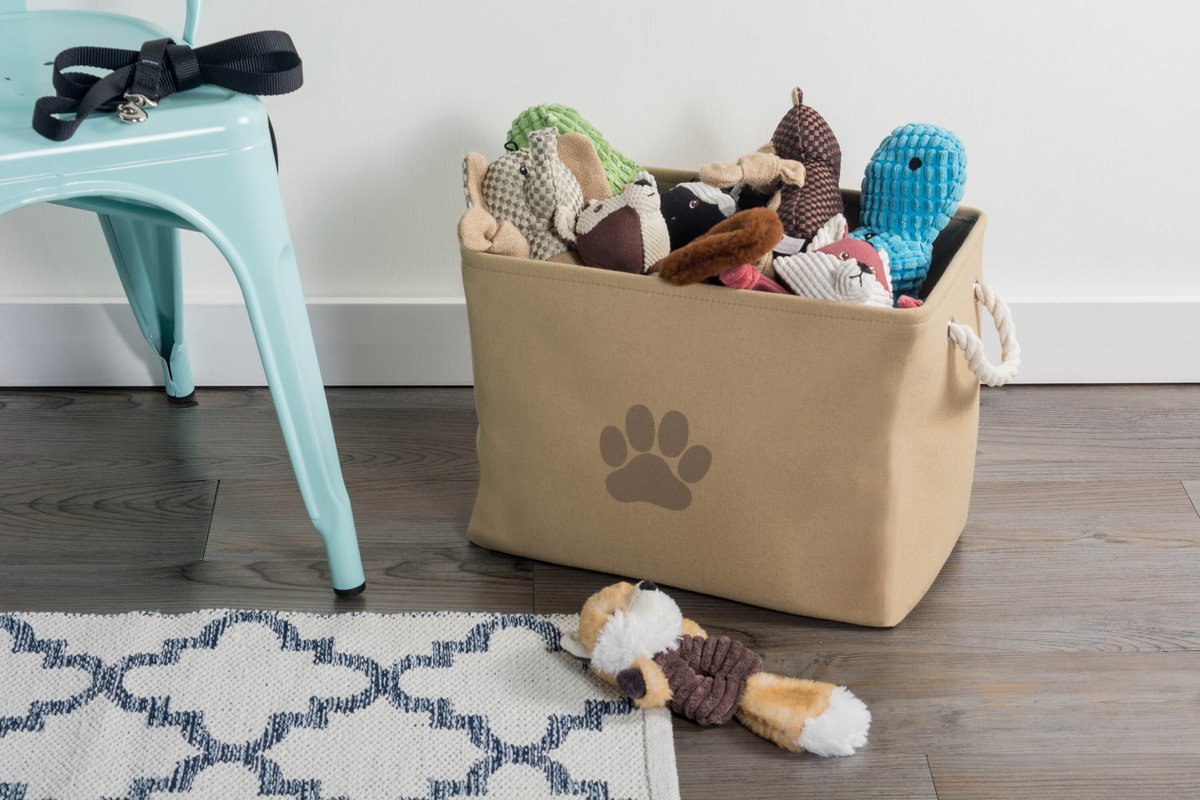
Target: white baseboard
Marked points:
424	342
1106	340
392	342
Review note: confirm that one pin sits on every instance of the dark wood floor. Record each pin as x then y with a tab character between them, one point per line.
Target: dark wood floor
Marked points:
1057	656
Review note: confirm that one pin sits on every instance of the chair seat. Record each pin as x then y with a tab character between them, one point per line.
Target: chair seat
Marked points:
203	120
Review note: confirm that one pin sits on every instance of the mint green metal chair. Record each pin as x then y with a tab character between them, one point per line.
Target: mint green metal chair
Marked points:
204	162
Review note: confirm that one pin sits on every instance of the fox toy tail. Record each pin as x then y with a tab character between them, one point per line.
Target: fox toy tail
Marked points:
803	715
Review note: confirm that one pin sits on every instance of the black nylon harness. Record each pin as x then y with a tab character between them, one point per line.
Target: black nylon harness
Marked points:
261	63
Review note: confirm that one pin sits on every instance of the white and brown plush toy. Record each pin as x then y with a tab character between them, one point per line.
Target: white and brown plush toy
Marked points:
837	268
626	233
636	638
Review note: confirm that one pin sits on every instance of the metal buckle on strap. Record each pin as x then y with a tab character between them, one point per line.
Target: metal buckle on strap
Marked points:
134	108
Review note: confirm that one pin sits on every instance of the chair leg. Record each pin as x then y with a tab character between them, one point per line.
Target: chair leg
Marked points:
147	260
243	214
277	311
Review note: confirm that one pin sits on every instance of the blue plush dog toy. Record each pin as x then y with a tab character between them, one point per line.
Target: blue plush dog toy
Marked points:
910	191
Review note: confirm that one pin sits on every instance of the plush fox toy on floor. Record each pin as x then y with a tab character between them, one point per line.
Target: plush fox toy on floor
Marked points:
636	637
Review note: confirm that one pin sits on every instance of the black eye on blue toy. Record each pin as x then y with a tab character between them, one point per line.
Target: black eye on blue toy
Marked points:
915	164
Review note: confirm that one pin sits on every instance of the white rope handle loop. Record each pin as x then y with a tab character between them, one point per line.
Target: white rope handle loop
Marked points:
972	345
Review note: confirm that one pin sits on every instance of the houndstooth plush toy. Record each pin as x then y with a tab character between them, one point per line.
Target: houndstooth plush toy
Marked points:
533	190
803	135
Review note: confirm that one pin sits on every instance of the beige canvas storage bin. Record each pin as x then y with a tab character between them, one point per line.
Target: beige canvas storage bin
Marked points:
841	438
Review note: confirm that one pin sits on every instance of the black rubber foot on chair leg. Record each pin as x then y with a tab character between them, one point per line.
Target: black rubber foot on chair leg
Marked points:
350	592
186	401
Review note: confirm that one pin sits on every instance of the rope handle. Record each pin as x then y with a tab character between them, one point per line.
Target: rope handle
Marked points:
972	346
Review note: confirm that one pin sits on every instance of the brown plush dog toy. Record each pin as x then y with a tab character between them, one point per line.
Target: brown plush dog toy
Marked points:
741	239
636	638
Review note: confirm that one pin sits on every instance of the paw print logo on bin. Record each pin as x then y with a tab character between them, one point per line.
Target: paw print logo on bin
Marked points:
661	466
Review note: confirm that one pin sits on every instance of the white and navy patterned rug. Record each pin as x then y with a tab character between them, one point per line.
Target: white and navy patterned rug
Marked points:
239	704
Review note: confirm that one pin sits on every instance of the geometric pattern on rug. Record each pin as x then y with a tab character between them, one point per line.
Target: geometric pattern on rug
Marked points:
226	704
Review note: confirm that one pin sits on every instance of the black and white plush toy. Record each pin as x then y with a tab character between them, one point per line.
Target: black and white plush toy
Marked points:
692	209
747	196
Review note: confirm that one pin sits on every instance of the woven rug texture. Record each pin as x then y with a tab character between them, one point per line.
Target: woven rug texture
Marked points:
238	704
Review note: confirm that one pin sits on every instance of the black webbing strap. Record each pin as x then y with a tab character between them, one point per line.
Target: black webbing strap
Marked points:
265	62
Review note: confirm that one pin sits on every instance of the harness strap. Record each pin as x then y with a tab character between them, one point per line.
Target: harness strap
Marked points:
262	63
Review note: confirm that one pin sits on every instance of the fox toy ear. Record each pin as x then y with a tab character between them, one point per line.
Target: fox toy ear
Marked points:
832	231
598	608
570	642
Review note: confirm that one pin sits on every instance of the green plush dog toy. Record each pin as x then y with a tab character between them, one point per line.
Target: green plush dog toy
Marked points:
620	170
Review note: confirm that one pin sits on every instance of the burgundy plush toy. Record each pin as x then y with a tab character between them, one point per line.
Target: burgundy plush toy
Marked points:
805	136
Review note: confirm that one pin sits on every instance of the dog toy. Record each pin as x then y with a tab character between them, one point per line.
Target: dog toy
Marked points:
911	189
755	182
838	268
619	169
803	135
743	238
626	232
691	210
747	276
636	638
530	188
761	170
747	196
478	230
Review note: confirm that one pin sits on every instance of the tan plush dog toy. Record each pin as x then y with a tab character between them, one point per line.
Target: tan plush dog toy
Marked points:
636	637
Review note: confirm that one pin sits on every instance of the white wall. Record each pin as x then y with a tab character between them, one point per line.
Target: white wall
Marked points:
1079	119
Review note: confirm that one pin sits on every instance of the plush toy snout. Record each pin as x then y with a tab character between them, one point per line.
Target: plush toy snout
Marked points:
650	623
631	680
852	278
632	683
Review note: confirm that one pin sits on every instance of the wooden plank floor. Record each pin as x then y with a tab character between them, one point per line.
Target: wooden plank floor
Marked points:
1057	656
